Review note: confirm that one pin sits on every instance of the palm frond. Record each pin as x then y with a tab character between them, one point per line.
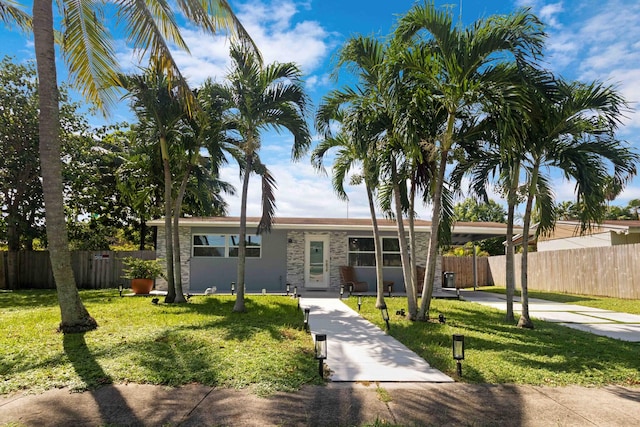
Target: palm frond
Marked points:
10	13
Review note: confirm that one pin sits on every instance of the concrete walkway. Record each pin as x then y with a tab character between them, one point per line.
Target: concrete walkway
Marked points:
357	350
612	324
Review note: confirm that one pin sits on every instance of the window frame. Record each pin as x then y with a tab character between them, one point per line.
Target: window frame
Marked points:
228	246
372	252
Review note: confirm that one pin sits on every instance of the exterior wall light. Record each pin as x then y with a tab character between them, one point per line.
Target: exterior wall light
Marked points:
458	351
321	352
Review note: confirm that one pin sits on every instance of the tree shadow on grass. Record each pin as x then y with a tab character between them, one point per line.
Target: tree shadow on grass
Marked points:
28	299
116	409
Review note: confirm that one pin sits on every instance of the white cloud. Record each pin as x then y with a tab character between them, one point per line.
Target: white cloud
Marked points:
598	41
548	14
301	192
280	39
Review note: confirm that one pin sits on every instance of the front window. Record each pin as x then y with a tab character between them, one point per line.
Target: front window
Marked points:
225	245
362	252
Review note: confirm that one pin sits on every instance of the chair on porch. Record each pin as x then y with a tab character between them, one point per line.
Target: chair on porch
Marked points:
348	276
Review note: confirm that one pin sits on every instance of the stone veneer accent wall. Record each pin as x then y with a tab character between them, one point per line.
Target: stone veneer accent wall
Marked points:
185	257
339	256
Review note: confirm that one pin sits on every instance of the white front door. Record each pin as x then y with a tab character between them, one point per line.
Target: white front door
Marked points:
316	262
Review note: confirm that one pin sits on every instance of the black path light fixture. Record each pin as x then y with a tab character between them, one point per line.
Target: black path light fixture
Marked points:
350	289
321	352
295	292
307	311
458	351
359	302
120	288
385	315
341	291
288	289
390	289
233	288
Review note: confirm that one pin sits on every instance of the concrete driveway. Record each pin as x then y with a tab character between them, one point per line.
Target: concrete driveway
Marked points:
612	324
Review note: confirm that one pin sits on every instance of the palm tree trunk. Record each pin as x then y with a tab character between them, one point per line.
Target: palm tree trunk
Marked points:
412	236
378	249
509	255
75	317
177	209
412	304
525	320
168	238
432	256
242	247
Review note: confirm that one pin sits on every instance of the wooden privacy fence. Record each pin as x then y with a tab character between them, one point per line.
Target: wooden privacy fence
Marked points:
92	269
463	269
612	271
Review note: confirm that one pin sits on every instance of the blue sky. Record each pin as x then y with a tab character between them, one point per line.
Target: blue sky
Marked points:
588	39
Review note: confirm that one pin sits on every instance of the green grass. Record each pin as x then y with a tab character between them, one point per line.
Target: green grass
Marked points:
136	341
605	303
499	352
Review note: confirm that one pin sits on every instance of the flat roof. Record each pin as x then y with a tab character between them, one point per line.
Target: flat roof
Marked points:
462	232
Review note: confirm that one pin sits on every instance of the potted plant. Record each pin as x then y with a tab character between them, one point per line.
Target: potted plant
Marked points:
142	272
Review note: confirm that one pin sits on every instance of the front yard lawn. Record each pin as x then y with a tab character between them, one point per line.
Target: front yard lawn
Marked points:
136	341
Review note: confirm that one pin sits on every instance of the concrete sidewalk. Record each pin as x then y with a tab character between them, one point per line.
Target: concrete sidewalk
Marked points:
336	404
358	350
612	324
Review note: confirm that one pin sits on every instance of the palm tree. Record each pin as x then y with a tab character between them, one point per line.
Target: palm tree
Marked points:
261	97
159	108
351	152
572	130
459	66
361	120
89	54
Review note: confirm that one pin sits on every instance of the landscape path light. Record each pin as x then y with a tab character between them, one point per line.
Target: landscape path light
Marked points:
307	311
385	314
350	289
341	291
233	288
120	288
295	292
458	351
359	302
288	289
321	352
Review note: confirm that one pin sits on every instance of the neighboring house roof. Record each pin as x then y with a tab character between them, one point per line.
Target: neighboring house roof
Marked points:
462	231
571	228
564	229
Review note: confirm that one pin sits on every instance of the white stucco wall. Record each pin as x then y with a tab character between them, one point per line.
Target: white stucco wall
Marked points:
580	242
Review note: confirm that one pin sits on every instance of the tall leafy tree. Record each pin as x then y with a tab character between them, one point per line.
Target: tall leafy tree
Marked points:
262	97
459	65
88	51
